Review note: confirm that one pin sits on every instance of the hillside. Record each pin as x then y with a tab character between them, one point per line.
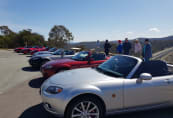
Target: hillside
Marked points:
158	44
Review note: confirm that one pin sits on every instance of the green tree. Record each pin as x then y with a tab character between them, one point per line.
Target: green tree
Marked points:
59	35
8	37
26	37
5	30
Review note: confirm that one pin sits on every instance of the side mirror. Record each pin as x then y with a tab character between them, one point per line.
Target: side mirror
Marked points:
145	76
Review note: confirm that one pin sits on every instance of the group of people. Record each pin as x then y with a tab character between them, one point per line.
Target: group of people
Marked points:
126	47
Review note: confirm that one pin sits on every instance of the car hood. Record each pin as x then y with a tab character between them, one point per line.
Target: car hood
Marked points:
44	55
60	61
79	77
42	52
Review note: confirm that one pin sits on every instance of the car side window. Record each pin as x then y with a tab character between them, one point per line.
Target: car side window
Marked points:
155	68
98	56
68	52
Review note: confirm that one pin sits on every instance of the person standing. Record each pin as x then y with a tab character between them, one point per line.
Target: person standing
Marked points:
147	50
120	47
137	48
98	46
107	47
126	47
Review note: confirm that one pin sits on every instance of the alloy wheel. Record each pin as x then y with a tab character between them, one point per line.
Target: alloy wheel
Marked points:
85	109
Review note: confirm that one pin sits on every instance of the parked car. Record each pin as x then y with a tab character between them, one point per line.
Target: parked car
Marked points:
20	48
38	50
81	60
121	84
50	51
28	50
37	61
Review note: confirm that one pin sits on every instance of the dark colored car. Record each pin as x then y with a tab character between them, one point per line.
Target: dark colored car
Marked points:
81	60
38	60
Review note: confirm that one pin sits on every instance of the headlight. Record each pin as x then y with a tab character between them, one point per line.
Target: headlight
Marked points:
48	66
53	90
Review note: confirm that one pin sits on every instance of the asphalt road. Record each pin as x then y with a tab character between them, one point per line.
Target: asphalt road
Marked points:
19	85
14	69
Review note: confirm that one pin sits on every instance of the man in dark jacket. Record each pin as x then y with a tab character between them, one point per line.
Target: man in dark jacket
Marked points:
126	47
107	47
147	50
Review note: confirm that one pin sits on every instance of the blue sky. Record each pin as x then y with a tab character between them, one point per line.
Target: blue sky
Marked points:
91	20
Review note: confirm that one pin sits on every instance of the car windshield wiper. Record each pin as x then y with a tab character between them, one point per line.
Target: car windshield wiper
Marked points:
107	71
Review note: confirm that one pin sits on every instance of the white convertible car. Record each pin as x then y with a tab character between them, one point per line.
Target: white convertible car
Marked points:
121	84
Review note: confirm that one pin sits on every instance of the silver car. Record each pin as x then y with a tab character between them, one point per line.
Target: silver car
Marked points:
50	51
38	60
121	84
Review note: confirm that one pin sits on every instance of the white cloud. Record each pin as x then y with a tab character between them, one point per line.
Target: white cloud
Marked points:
154	29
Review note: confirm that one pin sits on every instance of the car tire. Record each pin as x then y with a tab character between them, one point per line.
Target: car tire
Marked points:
85	107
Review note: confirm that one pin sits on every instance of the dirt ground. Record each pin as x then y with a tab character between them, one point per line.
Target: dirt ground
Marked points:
19	85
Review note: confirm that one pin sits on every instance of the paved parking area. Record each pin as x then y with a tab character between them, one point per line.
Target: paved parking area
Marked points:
19	85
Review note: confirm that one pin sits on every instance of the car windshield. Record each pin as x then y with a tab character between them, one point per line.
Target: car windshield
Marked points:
81	56
52	49
58	52
118	65
69	52
34	47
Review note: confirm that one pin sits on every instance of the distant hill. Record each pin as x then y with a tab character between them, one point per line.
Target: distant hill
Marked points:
157	43
164	38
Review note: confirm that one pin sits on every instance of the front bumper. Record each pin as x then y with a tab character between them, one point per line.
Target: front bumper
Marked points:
47	73
54	104
32	52
17	50
51	110
35	63
27	51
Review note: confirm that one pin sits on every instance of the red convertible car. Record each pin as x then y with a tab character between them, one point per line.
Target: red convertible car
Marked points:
19	49
38	50
81	60
28	50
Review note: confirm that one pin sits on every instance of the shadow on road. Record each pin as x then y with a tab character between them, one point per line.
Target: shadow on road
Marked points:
23	54
36	111
159	113
28	56
36	83
30	69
